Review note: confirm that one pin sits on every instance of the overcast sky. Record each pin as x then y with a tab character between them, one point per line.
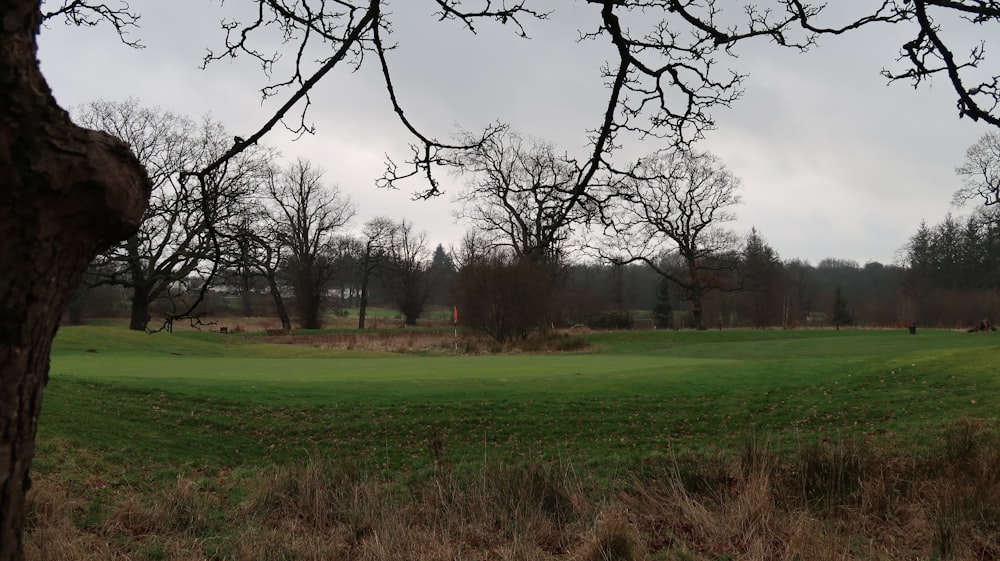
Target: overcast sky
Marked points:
834	162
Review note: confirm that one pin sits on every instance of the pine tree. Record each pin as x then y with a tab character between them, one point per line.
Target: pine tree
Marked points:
663	313
841	314
440	276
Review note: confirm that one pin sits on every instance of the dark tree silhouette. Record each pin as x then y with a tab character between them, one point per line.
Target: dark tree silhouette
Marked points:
405	270
187	223
257	242
372	255
440	276
676	203
980	172
663	310
522	195
841	313
761	275
306	215
502	295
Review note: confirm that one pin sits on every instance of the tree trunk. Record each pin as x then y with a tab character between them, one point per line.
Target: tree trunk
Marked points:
279	302
697	310
363	300
140	309
246	299
140	293
310	306
65	195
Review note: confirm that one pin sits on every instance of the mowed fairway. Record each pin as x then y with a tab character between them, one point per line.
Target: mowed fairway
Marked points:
150	405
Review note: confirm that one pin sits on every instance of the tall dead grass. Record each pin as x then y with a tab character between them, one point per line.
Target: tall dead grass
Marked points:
827	501
402	340
419	340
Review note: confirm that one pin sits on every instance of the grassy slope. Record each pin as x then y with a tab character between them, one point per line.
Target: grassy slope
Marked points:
143	405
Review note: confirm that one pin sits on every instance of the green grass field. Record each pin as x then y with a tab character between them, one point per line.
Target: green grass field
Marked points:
149	404
668	446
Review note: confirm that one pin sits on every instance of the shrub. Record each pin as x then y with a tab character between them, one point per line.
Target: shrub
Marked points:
505	298
610	320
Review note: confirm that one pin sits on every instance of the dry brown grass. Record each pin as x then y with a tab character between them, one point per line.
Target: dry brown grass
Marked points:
393	336
419	340
242	324
614	538
401	340
756	506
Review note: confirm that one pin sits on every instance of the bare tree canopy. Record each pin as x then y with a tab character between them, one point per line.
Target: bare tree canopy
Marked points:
372	256
522	194
676	204
187	223
258	253
307	213
980	172
667	79
405	274
669	75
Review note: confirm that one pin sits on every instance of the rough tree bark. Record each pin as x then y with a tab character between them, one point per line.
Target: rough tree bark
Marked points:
66	193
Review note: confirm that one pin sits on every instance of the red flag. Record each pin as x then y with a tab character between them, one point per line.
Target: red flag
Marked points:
455	313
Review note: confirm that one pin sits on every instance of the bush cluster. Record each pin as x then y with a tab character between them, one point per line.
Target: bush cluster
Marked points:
609	320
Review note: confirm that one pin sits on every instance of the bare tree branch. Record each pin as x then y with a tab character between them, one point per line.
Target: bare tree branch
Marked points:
928	54
90	14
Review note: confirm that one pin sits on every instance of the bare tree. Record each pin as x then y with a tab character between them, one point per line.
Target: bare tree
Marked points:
500	294
676	204
258	243
373	254
981	171
69	192
473	246
405	270
307	214
522	195
183	231
527	200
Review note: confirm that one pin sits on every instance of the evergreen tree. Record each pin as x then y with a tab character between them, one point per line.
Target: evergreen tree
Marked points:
663	312
761	275
440	276
841	314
